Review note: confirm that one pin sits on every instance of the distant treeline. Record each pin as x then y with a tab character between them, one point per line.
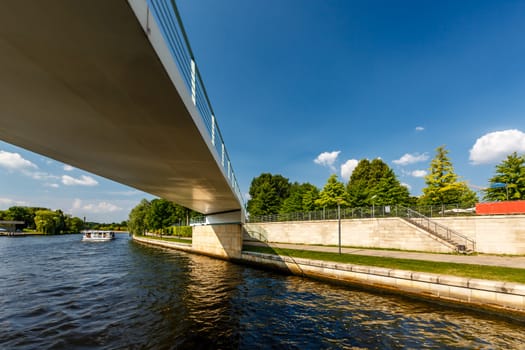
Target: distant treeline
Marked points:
49	221
160	216
375	183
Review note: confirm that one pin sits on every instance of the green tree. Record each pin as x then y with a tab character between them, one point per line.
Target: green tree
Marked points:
74	224
48	221
357	186
137	218
511	174
442	183
161	214
25	214
302	198
377	171
389	191
268	193
375	183
333	193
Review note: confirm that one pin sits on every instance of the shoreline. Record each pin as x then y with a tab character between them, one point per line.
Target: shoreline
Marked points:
483	295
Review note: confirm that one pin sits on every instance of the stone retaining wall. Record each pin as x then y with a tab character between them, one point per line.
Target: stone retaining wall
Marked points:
492	234
485	294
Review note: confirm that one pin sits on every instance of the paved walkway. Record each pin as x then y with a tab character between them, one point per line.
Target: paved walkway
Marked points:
481	259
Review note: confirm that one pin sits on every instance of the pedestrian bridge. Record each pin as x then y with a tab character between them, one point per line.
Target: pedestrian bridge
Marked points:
112	87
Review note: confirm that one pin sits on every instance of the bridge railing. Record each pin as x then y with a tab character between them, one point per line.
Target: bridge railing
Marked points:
169	21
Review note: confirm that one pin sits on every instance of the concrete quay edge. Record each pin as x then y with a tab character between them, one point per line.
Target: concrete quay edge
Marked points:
165	244
484	294
479	294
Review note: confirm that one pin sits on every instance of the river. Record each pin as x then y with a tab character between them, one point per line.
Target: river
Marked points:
57	292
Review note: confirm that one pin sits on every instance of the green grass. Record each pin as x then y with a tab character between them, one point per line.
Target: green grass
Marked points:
496	273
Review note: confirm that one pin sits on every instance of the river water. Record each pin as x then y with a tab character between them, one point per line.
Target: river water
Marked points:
60	293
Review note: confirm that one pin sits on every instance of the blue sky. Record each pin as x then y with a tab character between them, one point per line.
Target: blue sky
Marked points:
306	88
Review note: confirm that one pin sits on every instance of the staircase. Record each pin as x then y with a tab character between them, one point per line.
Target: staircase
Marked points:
462	243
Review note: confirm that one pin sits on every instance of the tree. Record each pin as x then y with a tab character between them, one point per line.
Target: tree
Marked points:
74	224
333	193
442	182
161	214
47	221
137	218
509	181
375	183
268	193
25	214
302	198
357	186
389	190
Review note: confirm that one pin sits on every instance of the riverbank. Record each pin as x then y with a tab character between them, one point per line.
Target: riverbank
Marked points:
489	295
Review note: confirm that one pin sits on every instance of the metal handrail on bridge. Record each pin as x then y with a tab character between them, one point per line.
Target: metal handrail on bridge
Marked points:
169	21
440	230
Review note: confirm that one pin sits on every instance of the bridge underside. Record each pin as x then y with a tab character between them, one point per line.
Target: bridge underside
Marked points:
81	83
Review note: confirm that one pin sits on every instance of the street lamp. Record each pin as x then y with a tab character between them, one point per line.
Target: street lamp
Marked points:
373	205
339	222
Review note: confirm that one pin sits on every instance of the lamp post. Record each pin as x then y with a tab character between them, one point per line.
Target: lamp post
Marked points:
339	222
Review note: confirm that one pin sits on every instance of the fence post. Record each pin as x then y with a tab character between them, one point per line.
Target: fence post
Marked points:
193	83
213	129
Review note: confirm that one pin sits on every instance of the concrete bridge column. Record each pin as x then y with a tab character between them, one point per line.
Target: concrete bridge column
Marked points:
218	240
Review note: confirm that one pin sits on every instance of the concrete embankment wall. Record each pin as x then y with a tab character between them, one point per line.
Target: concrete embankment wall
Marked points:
480	294
492	234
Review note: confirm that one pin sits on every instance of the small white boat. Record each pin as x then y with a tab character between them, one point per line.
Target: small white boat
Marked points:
98	236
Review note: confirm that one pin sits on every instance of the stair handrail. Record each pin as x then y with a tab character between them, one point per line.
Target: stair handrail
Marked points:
449	233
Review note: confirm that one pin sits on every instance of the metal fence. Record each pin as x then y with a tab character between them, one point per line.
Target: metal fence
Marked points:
366	212
169	21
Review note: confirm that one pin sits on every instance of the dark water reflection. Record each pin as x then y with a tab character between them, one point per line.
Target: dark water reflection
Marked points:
60	293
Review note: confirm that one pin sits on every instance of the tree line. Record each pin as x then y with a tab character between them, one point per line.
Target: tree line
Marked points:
53	222
371	183
375	183
159	215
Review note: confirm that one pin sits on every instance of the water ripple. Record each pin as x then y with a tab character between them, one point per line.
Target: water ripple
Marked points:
60	293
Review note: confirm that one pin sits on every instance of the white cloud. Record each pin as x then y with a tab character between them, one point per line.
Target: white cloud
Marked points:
77	203
419	173
8	202
81	181
38	175
15	162
419	128
347	168
125	193
406	185
407	159
327	159
94	208
53	185
496	146
68	167
101	207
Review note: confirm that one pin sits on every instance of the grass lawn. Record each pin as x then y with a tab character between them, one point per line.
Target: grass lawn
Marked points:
463	270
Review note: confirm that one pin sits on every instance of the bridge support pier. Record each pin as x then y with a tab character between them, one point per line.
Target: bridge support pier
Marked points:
220	240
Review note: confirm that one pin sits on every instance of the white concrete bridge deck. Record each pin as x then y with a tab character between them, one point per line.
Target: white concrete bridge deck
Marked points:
93	84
